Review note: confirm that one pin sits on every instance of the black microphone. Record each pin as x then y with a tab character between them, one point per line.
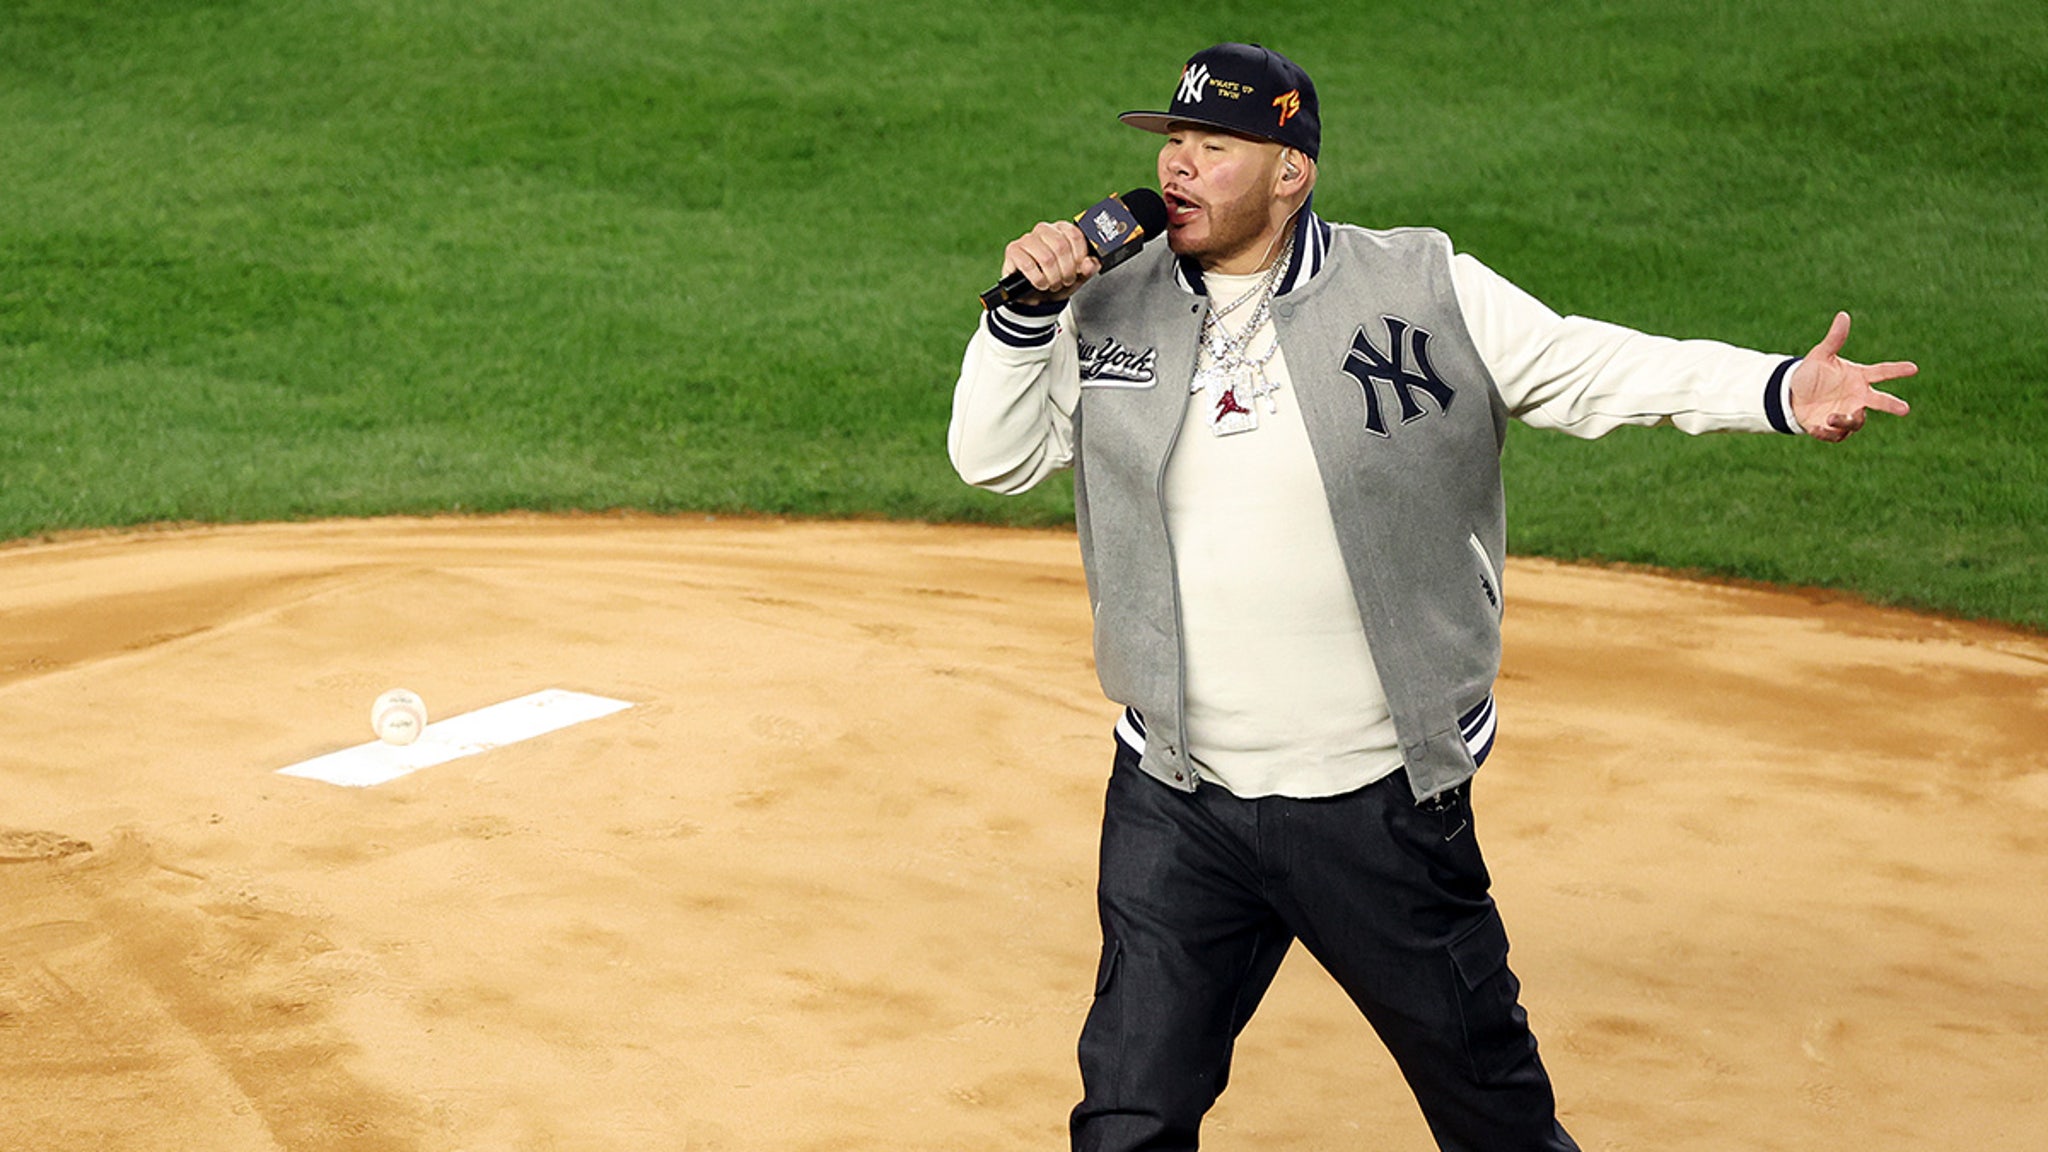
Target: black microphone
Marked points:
1115	229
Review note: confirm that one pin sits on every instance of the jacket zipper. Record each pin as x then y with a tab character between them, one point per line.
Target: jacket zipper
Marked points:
1180	646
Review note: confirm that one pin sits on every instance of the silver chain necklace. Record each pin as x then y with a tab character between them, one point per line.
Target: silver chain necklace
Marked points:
1226	373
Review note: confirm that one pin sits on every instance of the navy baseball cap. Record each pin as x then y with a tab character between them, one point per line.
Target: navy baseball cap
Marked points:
1246	89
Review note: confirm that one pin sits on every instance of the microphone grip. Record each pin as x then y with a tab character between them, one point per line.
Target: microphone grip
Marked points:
1012	286
1017	284
1115	229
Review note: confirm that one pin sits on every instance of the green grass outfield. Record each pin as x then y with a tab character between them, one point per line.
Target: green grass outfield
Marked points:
267	259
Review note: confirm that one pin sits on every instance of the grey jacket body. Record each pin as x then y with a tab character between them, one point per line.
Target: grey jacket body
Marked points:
1407	360
1407	429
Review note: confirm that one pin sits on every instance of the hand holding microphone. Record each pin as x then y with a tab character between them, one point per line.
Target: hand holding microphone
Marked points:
1053	259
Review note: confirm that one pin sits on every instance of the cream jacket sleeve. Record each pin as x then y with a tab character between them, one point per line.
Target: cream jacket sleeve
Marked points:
1588	377
1013	408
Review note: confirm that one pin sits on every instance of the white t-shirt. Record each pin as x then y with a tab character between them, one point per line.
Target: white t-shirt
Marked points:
1282	696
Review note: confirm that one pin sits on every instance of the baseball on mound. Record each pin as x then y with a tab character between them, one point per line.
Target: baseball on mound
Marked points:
398	716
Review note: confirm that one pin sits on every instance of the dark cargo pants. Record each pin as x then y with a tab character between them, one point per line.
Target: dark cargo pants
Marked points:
1202	893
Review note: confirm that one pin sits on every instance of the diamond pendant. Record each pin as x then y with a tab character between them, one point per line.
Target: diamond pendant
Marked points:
1226	394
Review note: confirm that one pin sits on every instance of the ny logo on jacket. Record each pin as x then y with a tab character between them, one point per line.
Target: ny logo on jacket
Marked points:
1366	363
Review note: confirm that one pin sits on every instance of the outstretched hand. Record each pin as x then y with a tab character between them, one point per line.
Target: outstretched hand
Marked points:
1830	395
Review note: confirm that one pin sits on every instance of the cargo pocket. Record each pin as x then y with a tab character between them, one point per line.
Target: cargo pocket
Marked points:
1497	1039
1104	1037
1489	580
1105	970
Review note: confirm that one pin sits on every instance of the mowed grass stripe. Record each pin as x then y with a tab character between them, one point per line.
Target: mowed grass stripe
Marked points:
265	260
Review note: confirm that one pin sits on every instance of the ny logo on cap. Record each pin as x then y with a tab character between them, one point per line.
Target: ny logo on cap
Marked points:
1191	81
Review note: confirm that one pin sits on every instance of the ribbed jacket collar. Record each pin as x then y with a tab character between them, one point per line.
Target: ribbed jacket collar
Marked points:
1311	246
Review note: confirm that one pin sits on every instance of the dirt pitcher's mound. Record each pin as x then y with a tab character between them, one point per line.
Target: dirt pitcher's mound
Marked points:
1774	866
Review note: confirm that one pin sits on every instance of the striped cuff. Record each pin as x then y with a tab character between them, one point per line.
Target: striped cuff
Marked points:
1478	728
1778	399
1024	325
1130	731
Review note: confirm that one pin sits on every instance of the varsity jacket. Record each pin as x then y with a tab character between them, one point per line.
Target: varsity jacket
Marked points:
1406	419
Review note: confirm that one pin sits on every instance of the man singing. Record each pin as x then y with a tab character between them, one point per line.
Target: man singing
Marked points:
1285	436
